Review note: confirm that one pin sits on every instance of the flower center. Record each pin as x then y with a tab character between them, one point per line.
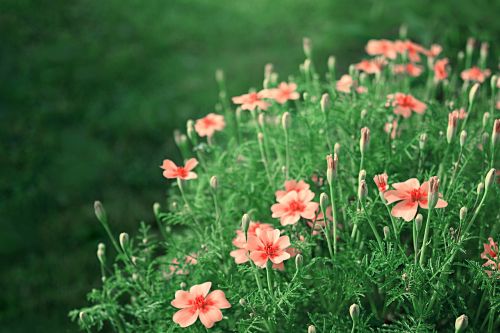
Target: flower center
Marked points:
182	172
296	206
416	195
270	249
199	302
253	97
208	122
406	102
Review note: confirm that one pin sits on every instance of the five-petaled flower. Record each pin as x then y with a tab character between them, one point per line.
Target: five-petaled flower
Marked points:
475	74
252	100
292	185
207	125
410	195
241	254
294	205
197	302
171	171
440	70
404	104
268	245
283	93
490	254
381	47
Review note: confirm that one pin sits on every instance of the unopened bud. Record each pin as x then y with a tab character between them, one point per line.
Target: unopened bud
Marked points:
82	316
362	190
470	45
261	119
480	189
361	175
463	213
285	121
486	118
336	148
452	126
495	134
493	82
323	201
422	141
490	178
190	130
472	93
245	223
363	113
461	323
214	183
403	31
311	329
325	103
219	76
242	302
123	240
331	63
433	193
364	141
354	312
387	232
486	139
418	222
156	209
100	213
268	70
299	260
183	285
483	51
101	253
463	137
460	56
331	171
307	46
260	137
307	67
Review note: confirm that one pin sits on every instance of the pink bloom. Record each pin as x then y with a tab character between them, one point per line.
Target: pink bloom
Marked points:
292	185
405	104
317	179
460	113
440	71
490	254
318	223
241	254
209	124
381	182
410	69
475	74
292	206
434	51
392	128
361	90
268	245
381	47
411	195
173	171
410	48
344	84
370	66
252	100
284	92
197	302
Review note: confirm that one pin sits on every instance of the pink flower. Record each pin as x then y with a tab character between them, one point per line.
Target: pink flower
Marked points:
392	128
440	71
252	100
490	254
241	254
318	223
173	171
460	113
292	206
410	69
411	195
344	84
381	182
197	302
370	66
434	51
284	92
381	47
404	104
410	48
292	185
268	245
209	124
475	74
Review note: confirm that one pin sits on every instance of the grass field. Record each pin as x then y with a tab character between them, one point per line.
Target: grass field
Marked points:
91	92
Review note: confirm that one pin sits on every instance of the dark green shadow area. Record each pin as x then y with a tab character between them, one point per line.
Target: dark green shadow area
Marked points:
91	91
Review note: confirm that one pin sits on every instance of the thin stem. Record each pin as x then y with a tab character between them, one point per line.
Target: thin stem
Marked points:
372	225
426	237
269	277
334	213
287	155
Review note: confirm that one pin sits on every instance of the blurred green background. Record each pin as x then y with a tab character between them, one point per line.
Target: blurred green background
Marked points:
91	91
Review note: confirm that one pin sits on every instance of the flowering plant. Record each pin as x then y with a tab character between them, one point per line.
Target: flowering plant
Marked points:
376	197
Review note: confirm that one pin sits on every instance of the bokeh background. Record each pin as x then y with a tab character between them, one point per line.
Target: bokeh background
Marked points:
90	92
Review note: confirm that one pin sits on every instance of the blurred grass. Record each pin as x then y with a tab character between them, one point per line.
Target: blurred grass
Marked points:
90	94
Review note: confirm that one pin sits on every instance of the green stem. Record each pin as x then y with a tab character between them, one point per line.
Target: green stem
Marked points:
372	225
426	237
334	214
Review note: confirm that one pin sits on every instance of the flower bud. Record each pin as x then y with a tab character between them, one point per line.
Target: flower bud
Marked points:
364	141
469	48
183	285
403	31
260	137
480	189
268	70
354	312
82	316
433	194
387	232
418	221
463	137
486	117
311	329
307	46
242	302
490	178
362	190
493	82
285	121
460	56
452	126
325	103
461	323
463	213
422	141
486	139
361	175
495	134
179	138
219	76
331	171
323	201
101	253
307	67
245	223
299	260
190	130
483	51
214	183
100	213
336	148
331	63
472	93
123	240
